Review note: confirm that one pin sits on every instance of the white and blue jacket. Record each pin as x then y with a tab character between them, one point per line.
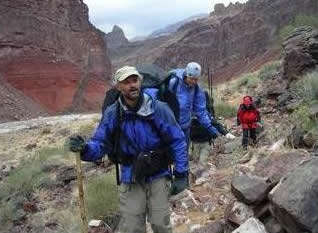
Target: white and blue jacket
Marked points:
152	127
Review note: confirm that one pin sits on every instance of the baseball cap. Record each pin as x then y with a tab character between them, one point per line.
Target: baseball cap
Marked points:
125	72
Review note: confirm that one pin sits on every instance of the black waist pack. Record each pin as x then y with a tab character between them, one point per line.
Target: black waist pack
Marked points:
148	164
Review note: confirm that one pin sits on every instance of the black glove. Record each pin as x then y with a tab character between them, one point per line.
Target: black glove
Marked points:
215	135
77	143
180	183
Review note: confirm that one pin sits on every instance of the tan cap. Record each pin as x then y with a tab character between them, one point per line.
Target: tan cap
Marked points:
125	72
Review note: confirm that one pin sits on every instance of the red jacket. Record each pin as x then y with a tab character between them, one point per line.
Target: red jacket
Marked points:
248	118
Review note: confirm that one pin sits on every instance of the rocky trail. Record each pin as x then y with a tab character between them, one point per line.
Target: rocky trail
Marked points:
214	203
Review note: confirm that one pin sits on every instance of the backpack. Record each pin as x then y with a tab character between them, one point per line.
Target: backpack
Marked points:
197	132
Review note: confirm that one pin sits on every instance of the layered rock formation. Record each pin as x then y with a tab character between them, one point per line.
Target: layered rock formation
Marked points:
50	52
231	9
230	44
300	52
233	40
14	105
116	38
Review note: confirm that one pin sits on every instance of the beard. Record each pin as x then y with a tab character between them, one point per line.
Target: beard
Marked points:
132	94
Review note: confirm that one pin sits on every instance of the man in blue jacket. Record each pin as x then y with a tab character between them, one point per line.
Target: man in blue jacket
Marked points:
146	127
191	98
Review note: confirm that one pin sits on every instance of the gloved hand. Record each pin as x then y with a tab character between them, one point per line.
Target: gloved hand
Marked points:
179	184
77	143
215	135
260	124
230	136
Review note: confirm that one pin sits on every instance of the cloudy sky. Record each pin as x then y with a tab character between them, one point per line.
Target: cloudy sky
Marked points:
141	17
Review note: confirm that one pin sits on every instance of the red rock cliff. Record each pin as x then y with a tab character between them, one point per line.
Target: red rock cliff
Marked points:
51	52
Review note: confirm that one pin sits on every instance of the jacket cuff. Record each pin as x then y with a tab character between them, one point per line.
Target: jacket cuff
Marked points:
180	175
83	153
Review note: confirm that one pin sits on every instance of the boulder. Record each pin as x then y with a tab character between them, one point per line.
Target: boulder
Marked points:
250	189
300	52
295	199
212	227
275	166
252	225
237	212
272	225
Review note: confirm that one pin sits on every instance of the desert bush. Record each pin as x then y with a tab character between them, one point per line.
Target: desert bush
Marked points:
225	110
306	20
307	90
102	196
23	181
269	70
9	212
249	80
301	118
300	20
307	87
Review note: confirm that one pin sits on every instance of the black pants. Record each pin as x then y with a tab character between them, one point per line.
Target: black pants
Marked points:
248	133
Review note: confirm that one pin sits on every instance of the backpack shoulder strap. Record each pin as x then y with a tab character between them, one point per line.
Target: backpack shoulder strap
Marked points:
117	150
175	83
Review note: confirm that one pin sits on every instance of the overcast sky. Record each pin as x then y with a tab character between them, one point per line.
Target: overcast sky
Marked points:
141	17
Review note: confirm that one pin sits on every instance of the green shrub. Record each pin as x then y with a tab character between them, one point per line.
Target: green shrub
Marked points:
102	196
285	31
307	87
253	82
225	110
23	181
249	80
300	20
306	20
307	90
241	81
269	70
9	214
301	118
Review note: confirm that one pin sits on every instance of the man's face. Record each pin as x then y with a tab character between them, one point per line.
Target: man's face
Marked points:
130	87
191	81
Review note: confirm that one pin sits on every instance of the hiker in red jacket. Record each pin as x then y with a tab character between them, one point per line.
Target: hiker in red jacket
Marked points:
248	116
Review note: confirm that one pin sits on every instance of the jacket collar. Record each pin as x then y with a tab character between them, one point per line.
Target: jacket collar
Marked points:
146	107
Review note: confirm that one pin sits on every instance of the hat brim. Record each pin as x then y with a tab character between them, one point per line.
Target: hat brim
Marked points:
129	74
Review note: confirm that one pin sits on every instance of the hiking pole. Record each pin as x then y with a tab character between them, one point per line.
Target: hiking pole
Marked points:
81	193
209	84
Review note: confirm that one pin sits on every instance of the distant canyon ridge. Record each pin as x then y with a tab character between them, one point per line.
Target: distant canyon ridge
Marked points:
53	60
231	40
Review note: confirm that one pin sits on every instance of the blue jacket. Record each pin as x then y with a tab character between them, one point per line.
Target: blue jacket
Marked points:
152	127
191	103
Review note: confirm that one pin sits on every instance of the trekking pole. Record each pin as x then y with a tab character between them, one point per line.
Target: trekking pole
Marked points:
209	84
81	193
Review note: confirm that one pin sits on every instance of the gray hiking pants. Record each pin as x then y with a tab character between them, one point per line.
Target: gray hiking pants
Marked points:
137	202
201	152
